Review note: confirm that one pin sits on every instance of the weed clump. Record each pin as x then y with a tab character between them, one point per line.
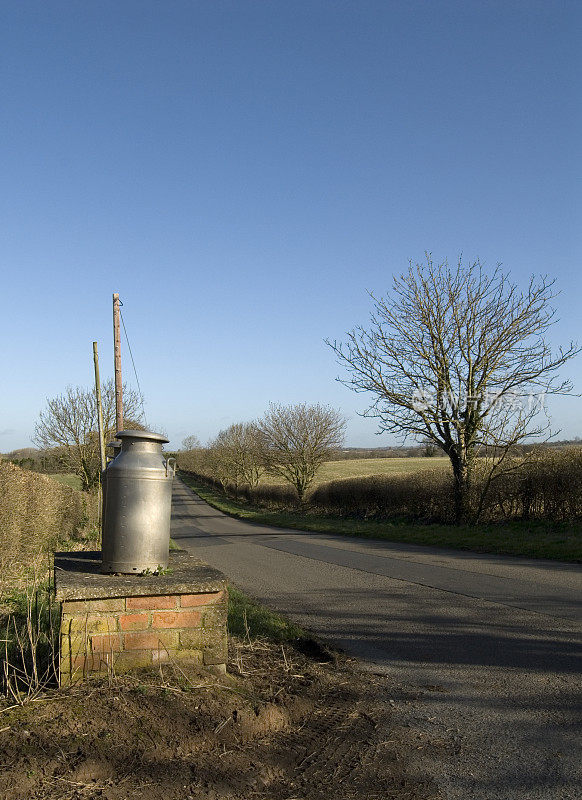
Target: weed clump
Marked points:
249	620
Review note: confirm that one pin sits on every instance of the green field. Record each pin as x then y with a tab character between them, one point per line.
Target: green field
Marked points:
331	470
67	479
364	467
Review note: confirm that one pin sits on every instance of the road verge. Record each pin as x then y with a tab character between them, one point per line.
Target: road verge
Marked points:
559	541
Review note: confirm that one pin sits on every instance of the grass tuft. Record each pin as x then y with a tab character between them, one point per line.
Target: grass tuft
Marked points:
248	619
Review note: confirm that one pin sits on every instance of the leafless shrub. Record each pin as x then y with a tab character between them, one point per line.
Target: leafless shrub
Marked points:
69	423
191	442
548	485
270	496
543	484
193	461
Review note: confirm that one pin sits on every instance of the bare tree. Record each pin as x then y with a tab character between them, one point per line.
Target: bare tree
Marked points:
191	442
236	455
457	357
69	423
298	439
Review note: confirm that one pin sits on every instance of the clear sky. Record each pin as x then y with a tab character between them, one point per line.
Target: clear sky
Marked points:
241	172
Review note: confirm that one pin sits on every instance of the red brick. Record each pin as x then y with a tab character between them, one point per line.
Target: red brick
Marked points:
151	603
77	664
189	600
133	622
106	644
93	662
176	619
151	641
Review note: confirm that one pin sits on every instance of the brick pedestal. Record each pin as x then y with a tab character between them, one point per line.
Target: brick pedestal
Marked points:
116	623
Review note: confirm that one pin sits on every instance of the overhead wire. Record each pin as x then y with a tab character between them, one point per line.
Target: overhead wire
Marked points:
134	368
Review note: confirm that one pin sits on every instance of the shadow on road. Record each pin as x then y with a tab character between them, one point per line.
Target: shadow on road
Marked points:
413	632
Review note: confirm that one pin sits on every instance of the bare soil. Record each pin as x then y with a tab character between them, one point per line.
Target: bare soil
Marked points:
281	725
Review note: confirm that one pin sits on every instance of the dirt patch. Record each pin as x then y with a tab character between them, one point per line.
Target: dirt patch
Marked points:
282	725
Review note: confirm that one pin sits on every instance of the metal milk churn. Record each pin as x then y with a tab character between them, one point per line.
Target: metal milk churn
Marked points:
116	447
136	522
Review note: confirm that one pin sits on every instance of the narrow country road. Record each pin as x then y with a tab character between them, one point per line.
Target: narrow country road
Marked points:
482	654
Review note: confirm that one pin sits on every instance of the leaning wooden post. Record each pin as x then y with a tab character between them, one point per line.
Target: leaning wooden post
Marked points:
99	408
101	434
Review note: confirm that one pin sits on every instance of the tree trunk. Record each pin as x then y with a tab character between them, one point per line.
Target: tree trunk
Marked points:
460	488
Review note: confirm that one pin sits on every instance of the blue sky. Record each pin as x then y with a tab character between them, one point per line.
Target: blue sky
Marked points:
242	172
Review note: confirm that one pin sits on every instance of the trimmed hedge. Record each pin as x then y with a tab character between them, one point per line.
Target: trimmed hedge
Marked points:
425	495
545	486
37	514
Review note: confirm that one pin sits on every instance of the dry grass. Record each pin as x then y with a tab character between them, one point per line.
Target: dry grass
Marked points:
29	661
194	461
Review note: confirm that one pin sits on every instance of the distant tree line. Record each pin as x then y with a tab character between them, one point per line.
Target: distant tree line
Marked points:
428	450
46	461
416	451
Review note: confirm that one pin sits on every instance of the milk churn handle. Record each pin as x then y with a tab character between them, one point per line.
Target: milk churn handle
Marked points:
168	466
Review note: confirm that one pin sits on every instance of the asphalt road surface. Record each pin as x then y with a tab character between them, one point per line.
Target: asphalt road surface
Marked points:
482	654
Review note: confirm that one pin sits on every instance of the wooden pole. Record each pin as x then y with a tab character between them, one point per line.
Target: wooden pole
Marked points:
117	362
99	408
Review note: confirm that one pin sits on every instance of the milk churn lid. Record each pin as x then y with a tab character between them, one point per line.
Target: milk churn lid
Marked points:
146	435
